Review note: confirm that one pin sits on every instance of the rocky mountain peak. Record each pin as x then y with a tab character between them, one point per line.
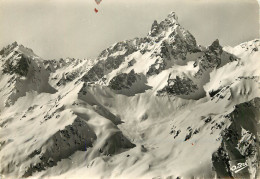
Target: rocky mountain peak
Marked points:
215	44
16	49
8	49
216	47
154	29
164	25
14	44
17	59
170	21
172	16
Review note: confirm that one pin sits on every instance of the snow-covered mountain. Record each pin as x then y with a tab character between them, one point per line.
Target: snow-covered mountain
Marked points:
161	106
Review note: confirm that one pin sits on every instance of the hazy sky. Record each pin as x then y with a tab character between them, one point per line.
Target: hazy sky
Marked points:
71	28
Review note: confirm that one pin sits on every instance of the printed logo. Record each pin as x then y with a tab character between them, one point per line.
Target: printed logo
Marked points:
238	167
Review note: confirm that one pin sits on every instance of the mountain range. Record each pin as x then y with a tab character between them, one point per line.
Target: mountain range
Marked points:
160	106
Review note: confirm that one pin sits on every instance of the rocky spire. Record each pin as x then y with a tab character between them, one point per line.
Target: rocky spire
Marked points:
155	29
6	50
215	46
172	16
170	20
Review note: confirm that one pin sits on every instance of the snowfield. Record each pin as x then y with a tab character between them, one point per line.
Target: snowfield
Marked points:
161	106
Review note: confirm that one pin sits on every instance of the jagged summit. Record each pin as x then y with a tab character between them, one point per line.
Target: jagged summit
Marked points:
6	50
15	49
24	71
215	44
171	20
169	23
172	15
167	44
216	47
17	59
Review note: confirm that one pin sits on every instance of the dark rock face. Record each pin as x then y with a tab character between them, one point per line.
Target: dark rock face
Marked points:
95	73
238	155
155	29
179	86
156	68
216	47
207	62
212	57
179	47
68	77
18	65
78	136
174	49
131	63
110	60
116	142
220	162
123	81
6	50
14	60
213	93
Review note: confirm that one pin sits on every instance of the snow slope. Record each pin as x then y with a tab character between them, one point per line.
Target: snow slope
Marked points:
154	107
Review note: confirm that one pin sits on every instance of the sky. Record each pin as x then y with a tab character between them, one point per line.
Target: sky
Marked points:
71	28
